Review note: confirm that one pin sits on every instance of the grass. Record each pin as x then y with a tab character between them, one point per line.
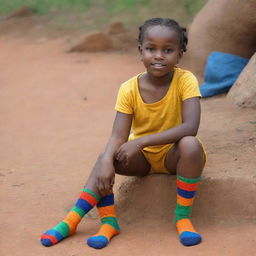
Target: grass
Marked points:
95	14
44	6
111	6
192	7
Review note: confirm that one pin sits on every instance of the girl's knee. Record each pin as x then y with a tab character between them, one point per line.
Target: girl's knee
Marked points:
120	167
190	146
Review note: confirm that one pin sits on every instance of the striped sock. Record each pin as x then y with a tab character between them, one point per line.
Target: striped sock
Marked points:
67	227
109	227
186	190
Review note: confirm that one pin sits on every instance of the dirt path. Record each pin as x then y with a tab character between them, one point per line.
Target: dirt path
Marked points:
56	114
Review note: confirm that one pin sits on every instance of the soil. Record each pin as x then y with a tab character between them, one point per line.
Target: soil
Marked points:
57	110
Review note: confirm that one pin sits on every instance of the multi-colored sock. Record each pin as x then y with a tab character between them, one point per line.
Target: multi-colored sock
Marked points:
186	190
109	227
67	227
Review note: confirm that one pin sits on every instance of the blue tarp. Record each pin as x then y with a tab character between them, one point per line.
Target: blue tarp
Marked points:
222	70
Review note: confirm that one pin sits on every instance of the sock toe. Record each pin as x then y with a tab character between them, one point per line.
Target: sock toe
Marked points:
188	238
46	242
97	242
50	237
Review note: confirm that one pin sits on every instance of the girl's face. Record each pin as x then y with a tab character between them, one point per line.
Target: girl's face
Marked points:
160	50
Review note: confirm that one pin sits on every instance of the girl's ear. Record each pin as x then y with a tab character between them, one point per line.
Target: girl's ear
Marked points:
140	51
140	48
180	56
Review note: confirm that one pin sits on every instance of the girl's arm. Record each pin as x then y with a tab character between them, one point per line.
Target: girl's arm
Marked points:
190	123
120	133
105	167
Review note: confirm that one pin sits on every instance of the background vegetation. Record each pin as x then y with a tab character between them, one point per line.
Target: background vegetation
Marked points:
97	13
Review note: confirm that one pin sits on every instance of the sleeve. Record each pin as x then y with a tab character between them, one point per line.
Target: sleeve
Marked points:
189	86
124	100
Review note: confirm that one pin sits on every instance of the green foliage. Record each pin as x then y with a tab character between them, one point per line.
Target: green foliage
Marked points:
112	6
115	6
193	6
95	14
44	6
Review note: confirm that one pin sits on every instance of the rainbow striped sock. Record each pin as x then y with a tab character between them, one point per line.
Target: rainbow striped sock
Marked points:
109	227
186	190
67	227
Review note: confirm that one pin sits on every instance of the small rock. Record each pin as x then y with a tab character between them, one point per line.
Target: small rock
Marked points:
97	41
124	41
23	11
116	27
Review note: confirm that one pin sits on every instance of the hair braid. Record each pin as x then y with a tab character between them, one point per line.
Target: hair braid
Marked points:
172	24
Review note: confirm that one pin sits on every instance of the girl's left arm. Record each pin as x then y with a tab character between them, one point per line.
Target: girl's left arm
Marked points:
190	123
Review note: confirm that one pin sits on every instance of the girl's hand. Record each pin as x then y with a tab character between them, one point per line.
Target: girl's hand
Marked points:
105	177
127	150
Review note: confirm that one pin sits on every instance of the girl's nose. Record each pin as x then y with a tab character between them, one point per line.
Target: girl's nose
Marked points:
158	55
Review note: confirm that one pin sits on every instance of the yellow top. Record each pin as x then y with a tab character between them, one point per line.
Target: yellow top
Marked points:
161	115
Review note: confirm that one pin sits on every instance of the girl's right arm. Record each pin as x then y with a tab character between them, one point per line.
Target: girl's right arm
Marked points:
105	167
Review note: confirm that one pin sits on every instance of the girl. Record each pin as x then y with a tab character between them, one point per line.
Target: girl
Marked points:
161	108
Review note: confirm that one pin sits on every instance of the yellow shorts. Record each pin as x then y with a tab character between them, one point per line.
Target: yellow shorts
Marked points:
157	159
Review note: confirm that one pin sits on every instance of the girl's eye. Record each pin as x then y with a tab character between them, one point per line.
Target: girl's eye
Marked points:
150	48
168	50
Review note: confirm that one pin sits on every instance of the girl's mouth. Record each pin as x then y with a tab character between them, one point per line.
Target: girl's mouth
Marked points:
158	65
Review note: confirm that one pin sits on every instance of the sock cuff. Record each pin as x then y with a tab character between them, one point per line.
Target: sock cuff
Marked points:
186	186
92	194
188	180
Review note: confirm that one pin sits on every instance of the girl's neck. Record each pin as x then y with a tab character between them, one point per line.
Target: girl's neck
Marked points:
159	81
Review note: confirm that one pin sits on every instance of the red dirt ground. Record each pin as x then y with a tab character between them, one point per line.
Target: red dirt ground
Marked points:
56	115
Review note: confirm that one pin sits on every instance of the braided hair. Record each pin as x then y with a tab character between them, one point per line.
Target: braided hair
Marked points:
172	24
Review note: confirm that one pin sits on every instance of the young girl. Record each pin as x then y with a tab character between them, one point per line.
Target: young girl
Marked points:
161	108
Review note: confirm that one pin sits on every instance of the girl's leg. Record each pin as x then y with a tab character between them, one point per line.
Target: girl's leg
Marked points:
86	201
90	197
138	167
187	159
